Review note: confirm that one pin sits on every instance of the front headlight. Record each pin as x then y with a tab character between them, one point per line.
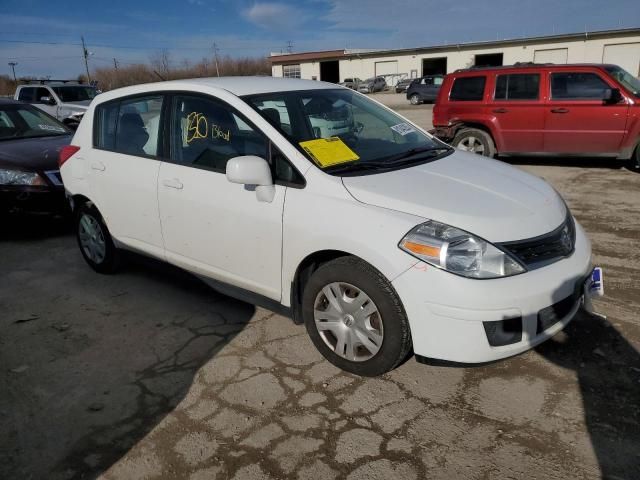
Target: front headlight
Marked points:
458	252
19	177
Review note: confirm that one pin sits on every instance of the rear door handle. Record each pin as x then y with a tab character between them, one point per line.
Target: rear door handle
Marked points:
559	110
97	165
173	183
500	110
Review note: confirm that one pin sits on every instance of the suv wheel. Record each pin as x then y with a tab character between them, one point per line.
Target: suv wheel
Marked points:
636	159
414	99
355	318
476	141
94	240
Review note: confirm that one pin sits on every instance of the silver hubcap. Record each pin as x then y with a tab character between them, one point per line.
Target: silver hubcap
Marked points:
348	321
92	238
471	144
414	99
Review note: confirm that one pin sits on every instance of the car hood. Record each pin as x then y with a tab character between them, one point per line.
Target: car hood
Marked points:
485	197
32	153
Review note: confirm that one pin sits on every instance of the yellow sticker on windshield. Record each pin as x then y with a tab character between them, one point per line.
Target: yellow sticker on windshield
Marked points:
327	152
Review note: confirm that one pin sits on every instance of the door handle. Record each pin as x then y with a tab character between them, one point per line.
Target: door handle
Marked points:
173	183
500	110
97	165
559	110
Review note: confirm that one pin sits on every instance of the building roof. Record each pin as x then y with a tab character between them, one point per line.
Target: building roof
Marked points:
337	54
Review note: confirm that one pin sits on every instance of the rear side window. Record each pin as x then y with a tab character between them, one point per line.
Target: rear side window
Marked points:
577	86
130	126
467	89
27	94
518	86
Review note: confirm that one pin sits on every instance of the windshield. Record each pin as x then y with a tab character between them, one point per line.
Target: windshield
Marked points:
75	93
341	128
627	80
24	121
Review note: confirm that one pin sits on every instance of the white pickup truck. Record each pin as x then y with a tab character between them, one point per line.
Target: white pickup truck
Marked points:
66	101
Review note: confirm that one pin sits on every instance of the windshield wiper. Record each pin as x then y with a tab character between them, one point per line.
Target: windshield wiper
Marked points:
414	152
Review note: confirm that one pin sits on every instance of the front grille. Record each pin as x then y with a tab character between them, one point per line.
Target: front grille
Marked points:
54	177
545	248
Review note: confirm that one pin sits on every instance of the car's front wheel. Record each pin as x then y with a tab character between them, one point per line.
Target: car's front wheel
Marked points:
94	240
355	318
635	160
414	99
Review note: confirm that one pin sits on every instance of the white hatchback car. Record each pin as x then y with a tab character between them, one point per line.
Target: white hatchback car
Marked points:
380	238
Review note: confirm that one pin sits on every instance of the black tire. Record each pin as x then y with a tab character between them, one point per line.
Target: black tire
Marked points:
396	341
635	160
475	134
110	261
415	99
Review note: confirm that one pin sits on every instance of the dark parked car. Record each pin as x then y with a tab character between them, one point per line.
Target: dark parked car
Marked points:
584	109
403	84
424	89
30	141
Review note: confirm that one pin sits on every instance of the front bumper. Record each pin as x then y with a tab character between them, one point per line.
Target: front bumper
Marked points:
33	200
449	314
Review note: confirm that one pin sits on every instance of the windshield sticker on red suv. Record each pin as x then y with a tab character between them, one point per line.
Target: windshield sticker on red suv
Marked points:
403	129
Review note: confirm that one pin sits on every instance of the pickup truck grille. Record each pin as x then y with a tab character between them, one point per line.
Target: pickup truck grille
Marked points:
546	248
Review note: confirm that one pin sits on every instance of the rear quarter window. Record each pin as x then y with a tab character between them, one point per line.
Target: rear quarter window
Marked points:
468	89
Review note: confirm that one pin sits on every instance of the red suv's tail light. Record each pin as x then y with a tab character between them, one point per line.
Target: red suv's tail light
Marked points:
66	153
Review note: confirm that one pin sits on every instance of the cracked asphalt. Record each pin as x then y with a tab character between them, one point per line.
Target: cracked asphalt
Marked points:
149	374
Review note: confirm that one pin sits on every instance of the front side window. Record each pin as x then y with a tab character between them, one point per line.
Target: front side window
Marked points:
577	86
468	89
517	86
130	126
291	71
369	136
75	93
27	94
42	92
205	133
627	80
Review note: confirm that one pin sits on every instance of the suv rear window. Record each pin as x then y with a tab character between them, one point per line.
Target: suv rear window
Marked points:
467	89
517	86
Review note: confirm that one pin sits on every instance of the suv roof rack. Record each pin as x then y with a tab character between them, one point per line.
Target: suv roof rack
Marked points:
517	64
46	81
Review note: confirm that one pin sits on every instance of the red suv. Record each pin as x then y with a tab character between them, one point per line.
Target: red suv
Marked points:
589	110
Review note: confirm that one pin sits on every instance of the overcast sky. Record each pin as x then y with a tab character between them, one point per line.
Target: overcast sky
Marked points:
43	36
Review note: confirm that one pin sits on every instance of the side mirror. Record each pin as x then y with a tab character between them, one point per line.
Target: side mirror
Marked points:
611	96
48	100
252	171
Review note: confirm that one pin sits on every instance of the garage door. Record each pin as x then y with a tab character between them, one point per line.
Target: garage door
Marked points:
387	68
552	55
627	55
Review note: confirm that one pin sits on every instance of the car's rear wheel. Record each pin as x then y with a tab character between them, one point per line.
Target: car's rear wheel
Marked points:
636	159
414	99
476	141
94	240
355	318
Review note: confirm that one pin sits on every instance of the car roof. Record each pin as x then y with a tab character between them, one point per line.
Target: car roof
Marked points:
236	85
10	101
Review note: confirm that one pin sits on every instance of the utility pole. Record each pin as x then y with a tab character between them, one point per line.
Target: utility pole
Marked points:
85	54
215	56
289	46
115	64
13	69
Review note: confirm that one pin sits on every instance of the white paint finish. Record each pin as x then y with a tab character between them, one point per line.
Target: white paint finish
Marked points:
386	67
558	56
627	55
491	199
446	311
220	229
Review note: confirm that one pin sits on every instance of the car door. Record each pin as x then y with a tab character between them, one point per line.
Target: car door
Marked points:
212	226
123	169
518	112
577	119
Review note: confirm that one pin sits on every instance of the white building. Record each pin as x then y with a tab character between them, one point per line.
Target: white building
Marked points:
621	47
